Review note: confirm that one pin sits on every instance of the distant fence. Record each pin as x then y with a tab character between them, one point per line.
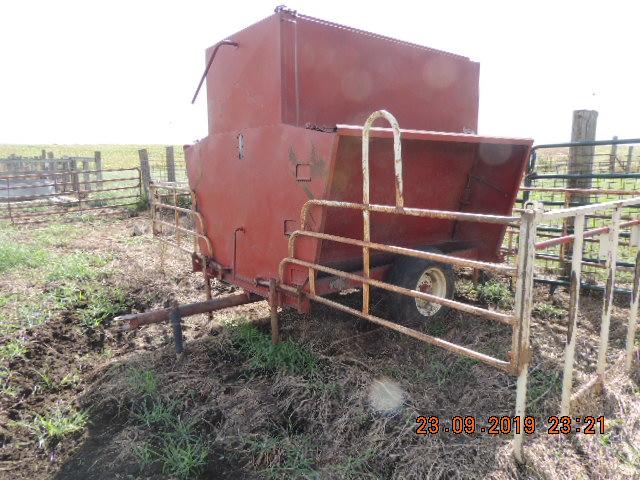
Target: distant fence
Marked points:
574	174
168	169
33	189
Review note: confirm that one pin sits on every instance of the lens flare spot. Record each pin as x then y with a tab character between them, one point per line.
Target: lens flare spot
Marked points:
385	396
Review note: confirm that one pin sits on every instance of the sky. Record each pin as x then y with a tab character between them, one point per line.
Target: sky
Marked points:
125	71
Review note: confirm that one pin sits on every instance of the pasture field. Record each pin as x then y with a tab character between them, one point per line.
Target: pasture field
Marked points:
113	156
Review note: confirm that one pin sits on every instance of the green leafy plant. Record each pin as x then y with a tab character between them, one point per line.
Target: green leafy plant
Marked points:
144	382
495	293
154	412
13	349
548	311
183	458
264	356
55	425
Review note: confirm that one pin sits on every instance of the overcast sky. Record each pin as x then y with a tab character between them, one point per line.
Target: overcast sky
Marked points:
125	71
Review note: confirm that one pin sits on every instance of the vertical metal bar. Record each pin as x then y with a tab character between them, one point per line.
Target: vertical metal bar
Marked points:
273	307
607	304
613	156
633	315
176	323
196	246
207	283
176	216
524	298
366	214
97	158
574	302
154	201
312	281
171	164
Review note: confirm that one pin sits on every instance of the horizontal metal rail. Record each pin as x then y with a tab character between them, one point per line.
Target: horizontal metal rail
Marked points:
436	257
66	212
588	233
573	211
593	191
79	182
65	173
414	212
452	347
26	198
490	314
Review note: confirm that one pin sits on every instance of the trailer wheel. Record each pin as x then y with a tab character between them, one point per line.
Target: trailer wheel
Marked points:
425	276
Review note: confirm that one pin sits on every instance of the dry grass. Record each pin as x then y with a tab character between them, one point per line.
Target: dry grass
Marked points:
324	422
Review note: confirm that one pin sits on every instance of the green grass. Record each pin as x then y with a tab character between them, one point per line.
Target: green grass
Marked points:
77	266
13	349
55	425
46	380
103	306
183	458
294	456
15	254
145	455
263	356
449	370
144	382
55	235
94	305
155	412
356	467
543	384
548	311
6	389
495	293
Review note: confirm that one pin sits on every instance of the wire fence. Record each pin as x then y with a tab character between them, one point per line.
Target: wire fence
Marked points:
577	174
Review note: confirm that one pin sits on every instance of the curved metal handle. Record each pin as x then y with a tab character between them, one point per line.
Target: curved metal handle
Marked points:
397	155
206	70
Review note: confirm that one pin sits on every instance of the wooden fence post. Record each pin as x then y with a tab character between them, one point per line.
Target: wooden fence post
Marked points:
583	129
86	176
97	157
171	165
629	158
613	156
145	172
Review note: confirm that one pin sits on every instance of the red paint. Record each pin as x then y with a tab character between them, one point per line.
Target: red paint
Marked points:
289	71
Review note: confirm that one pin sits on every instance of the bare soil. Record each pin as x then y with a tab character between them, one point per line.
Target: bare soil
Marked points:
329	420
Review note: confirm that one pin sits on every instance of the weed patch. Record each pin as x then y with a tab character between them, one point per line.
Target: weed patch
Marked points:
548	310
77	267
55	425
13	349
263	356
14	255
144	382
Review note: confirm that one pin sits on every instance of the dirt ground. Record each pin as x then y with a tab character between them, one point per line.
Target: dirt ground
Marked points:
352	415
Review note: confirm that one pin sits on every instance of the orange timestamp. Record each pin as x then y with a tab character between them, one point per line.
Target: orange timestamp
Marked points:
506	425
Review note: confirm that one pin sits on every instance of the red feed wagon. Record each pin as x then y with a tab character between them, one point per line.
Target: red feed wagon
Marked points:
288	101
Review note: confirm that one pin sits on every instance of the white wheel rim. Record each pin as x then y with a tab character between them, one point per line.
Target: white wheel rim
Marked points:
434	282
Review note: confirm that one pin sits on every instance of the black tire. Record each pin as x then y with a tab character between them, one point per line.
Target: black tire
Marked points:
406	272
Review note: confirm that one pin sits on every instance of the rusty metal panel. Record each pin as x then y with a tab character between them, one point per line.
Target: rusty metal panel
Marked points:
299	70
247	204
343	74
